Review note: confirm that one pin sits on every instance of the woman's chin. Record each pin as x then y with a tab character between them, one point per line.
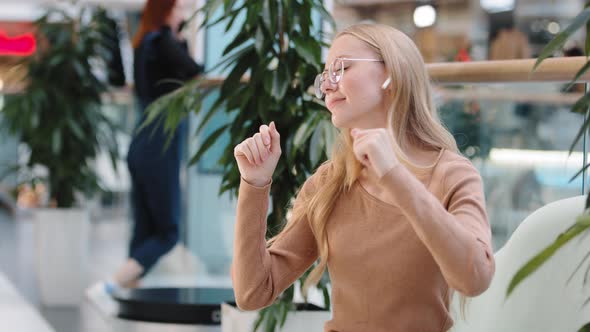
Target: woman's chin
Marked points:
338	123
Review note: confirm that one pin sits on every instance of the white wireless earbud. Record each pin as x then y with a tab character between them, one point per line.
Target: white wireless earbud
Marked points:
386	83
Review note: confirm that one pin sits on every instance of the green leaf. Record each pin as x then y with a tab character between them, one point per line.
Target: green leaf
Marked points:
271	320
303	133
326	298
321	142
582	224
227	6
233	80
55	61
212	111
280	81
283	311
581	104
259	41
578	268
274	15
559	40
267	17
260	319
230	58
209	141
113	158
239	40
56	142
75	128
579	172
304	21
578	75
586	274
319	6
232	15
585	328
211	6
305	49
252	15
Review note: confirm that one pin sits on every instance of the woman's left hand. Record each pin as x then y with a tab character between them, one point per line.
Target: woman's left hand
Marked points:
374	149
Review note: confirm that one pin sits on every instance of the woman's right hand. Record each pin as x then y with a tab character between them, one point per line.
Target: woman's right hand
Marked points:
258	155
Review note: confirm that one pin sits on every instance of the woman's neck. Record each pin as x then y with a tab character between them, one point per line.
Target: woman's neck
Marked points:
421	157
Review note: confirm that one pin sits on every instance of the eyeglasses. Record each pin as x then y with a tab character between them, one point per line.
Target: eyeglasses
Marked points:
335	73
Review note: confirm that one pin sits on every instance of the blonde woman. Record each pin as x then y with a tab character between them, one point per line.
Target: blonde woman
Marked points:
396	215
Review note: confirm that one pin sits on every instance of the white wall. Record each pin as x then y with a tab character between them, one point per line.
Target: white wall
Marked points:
27	10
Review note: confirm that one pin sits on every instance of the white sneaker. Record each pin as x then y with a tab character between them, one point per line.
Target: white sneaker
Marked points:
98	295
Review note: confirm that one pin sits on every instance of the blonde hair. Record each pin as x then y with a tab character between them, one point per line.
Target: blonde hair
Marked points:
411	119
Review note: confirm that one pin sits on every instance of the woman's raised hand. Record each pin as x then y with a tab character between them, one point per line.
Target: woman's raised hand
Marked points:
258	155
374	149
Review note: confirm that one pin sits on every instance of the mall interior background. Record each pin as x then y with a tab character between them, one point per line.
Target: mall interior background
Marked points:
518	134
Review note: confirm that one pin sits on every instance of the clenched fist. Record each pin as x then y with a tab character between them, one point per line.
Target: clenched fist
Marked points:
258	155
374	149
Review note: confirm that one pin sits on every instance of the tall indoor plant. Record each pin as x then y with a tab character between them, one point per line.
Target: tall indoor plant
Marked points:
582	224
58	117
278	51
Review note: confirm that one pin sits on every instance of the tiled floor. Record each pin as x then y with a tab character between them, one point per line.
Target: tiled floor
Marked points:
108	243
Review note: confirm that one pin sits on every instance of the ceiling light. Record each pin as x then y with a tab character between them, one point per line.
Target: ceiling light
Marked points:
553	27
424	16
494	6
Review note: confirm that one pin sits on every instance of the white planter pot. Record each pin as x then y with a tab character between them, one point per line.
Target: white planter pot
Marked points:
62	255
235	320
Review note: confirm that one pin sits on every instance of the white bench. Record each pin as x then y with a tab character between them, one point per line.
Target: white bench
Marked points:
545	301
16	314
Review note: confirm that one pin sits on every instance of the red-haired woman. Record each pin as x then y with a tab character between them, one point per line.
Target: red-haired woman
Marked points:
161	59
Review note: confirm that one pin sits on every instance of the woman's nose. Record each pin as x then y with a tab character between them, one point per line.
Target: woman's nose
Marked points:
327	85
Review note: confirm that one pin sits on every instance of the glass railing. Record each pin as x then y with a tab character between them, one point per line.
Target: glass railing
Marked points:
518	135
515	127
516	132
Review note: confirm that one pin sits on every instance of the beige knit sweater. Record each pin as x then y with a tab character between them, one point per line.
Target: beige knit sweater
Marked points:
392	266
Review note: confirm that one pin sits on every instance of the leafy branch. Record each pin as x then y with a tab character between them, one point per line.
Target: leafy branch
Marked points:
582	223
276	49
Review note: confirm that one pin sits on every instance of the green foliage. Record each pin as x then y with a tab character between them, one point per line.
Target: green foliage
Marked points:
582	223
58	115
277	50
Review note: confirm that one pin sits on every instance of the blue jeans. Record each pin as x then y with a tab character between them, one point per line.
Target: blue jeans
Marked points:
155	193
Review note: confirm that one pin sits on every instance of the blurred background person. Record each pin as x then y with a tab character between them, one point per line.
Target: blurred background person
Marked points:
161	61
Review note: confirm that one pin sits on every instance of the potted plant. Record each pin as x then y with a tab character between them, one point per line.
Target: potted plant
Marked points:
278	50
581	225
58	118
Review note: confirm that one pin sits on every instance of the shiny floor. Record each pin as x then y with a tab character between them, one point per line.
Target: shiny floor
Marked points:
108	241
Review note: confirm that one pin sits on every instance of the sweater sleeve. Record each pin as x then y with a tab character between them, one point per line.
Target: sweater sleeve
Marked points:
458	236
259	273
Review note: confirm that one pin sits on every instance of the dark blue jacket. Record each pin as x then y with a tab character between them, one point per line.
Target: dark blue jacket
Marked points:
159	60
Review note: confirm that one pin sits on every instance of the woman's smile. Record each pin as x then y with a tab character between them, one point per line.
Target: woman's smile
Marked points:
333	102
